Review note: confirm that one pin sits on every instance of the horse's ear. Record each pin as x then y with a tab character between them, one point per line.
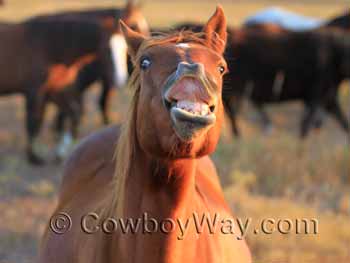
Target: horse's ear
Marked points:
133	38
130	5
216	30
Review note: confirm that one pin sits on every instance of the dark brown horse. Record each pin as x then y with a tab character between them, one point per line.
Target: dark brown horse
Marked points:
338	23
95	71
306	66
41	58
162	164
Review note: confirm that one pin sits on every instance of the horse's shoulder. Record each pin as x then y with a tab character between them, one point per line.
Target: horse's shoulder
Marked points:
93	155
86	188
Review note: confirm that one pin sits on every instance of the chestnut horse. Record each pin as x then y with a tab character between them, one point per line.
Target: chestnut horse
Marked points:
162	165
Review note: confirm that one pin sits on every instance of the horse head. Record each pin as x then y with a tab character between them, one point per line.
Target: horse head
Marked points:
133	17
178	79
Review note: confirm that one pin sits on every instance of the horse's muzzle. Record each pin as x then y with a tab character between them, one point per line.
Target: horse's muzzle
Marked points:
191	100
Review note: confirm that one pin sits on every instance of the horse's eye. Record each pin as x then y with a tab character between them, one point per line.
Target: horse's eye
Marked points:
145	63
222	69
134	27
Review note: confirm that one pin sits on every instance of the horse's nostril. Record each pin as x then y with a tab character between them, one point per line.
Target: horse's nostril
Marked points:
167	104
173	103
212	108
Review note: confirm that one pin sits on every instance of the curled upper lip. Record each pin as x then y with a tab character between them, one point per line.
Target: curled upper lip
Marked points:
191	108
206	98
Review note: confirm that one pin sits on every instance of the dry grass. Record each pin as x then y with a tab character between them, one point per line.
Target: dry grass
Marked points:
275	176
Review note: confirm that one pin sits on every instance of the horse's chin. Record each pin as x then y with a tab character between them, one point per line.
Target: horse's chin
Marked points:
188	149
189	126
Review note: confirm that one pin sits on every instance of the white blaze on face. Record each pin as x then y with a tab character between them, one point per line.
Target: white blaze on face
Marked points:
119	55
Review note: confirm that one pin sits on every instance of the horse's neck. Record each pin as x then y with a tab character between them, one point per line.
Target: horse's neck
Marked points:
161	190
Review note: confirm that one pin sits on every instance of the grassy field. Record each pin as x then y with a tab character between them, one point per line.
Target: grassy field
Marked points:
264	176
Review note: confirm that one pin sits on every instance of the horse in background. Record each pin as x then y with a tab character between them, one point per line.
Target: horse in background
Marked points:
94	71
41	59
282	21
306	66
162	165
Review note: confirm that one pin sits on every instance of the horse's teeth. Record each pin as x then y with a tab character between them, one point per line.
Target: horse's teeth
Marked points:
195	108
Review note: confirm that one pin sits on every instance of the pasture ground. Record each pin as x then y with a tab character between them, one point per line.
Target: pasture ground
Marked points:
264	176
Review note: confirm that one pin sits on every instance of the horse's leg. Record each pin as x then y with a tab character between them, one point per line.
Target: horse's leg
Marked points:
59	122
76	120
72	113
334	108
231	111
309	119
105	99
35	109
265	119
318	120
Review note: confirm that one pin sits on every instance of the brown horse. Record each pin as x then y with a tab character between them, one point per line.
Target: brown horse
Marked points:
35	54
56	57
260	79
68	121
162	164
